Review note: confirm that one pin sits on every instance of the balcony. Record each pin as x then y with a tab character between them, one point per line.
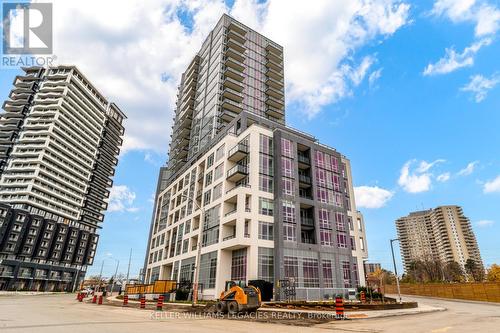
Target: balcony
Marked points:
307	221
238	152
276	65
235	44
237	173
278	93
275	112
234	63
277	103
234	74
277	75
304	179
304	159
228	115
233	34
274	52
234	53
236	28
232	105
233	95
233	84
228	237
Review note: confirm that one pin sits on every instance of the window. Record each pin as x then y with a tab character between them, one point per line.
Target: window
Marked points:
289	232
327	274
208	269
266	165
362	243
288	186
322	195
239	265
291	266
266	183
266	206
353	243
319	159
346	273
324	219
207	197
288	211
339	221
266	264
360	225
219	153
266	230
217	191
286	147
210	160
326	237
208	178
219	170
342	240
310	272
210	234
266	144
286	167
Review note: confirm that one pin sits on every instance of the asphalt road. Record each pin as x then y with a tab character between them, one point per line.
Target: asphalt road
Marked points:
61	313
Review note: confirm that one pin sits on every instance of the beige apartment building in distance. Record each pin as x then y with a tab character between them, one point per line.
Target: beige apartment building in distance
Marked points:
443	233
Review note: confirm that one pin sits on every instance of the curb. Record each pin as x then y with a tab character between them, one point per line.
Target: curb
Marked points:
453	299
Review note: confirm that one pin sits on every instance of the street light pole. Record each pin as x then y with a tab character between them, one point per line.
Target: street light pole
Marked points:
100	274
128	269
198	251
395	269
114	277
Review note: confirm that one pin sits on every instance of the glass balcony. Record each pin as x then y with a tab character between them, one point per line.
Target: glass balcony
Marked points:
277	103
232	95
275	112
234	74
238	152
236	173
232	105
233	84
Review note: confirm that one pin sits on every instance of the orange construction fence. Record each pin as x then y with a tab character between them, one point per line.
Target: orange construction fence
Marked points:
158	287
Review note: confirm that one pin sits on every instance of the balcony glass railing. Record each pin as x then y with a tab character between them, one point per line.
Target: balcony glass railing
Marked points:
305	179
240	147
307	220
237	169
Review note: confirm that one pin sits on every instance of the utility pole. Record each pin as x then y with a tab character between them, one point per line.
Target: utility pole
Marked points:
128	269
114	277
100	274
395	269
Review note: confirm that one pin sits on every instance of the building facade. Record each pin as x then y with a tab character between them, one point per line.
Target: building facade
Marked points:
236	69
59	146
264	202
372	267
441	234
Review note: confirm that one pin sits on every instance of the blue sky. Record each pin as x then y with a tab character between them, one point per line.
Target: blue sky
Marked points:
410	96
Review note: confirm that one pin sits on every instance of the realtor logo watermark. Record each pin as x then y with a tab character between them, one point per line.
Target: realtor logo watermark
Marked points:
27	34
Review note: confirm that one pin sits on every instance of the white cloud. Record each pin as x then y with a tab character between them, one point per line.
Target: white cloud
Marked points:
453	60
480	85
121	199
492	186
320	42
469	169
444	177
485	223
374	76
371	196
485	16
419	179
135	51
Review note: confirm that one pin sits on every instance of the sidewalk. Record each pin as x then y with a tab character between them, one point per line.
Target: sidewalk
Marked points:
28	293
422	308
445	299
